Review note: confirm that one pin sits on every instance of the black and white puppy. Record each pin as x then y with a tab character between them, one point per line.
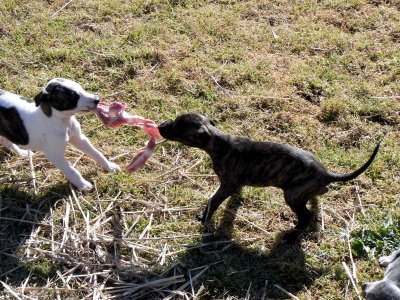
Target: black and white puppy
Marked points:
389	287
49	124
239	161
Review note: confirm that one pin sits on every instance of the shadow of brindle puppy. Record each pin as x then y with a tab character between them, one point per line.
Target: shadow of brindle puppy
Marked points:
239	161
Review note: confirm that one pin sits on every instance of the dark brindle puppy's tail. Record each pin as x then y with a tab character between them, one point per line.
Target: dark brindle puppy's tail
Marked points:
334	177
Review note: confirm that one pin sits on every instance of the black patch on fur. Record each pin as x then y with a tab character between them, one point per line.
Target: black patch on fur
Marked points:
58	97
12	127
62	98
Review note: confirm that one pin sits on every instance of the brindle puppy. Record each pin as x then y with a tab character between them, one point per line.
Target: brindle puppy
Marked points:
239	161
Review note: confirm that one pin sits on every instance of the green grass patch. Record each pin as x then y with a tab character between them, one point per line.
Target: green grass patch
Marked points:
376	241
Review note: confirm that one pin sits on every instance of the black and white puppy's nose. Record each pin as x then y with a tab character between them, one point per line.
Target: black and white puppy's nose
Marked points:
96	101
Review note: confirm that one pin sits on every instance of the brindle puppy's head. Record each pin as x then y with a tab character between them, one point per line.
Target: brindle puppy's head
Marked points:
189	129
65	96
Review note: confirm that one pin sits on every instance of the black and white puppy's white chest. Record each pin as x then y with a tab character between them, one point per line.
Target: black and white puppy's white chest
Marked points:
48	124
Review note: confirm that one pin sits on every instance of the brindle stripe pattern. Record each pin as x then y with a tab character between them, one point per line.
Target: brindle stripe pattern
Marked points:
265	164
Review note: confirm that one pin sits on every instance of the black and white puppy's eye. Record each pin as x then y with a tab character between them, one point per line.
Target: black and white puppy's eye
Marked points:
212	122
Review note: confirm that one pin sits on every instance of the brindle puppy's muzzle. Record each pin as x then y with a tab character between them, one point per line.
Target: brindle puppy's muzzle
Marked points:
167	130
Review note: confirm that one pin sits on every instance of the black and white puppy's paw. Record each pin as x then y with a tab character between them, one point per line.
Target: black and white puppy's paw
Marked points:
112	167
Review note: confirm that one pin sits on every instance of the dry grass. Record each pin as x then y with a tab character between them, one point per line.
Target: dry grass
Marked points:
322	75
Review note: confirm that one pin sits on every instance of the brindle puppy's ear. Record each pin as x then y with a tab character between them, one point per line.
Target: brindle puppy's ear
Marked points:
41	99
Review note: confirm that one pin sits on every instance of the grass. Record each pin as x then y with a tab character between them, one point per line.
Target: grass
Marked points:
321	75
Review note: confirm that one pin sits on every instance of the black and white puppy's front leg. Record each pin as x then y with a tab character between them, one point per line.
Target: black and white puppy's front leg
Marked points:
57	157
223	192
80	141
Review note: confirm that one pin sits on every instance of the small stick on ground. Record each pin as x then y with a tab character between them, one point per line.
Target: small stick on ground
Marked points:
251	223
147	228
191	283
220	86
386	97
182	287
170	171
10	290
264	290
353	265
359	200
79	158
248	291
337	216
286	292
346	268
199	291
61	8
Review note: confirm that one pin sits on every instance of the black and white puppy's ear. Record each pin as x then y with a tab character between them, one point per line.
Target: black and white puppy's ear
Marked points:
42	100
40	97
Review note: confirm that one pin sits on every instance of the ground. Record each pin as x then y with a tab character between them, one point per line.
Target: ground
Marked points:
320	75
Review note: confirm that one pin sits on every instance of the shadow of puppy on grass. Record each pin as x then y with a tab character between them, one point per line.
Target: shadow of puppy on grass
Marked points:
235	269
20	214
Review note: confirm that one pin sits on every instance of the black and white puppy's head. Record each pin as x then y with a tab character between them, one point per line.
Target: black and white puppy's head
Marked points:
190	129
65	96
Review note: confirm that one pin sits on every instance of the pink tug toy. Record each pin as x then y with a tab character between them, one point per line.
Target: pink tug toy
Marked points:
114	115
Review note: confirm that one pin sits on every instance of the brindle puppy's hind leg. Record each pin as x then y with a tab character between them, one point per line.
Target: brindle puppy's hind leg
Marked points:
298	204
223	192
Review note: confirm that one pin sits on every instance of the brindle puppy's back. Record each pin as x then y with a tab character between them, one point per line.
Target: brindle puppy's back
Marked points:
265	163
